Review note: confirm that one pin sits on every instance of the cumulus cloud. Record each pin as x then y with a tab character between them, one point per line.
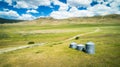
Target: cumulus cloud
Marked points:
26	17
100	9
22	4
74	12
5	9
32	11
63	6
117	12
8	1
79	3
34	4
80	13
83	13
60	14
115	5
9	14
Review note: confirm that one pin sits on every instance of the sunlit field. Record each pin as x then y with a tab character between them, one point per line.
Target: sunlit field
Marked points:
56	52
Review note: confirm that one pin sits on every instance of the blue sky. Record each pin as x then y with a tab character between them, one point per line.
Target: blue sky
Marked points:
58	9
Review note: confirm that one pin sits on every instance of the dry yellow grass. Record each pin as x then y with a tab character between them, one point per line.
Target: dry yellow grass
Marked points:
48	31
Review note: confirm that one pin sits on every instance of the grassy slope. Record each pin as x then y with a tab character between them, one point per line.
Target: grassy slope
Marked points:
10	36
56	53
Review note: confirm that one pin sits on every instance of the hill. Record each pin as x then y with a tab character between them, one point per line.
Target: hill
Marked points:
109	19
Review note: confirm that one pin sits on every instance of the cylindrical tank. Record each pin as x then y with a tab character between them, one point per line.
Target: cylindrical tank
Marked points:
90	48
73	45
80	47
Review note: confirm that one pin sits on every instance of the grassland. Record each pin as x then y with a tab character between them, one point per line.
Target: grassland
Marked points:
56	52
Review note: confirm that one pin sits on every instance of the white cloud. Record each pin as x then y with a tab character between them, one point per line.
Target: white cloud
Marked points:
60	14
34	4
99	1
100	9
5	9
8	1
83	13
9	14
31	3
26	17
73	9
63	6
79	3
117	12
115	5
74	12
22	4
80	13
32	11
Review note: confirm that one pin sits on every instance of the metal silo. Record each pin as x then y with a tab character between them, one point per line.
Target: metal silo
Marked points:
80	47
90	48
73	45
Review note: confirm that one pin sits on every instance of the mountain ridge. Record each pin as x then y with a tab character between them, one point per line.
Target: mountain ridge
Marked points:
107	18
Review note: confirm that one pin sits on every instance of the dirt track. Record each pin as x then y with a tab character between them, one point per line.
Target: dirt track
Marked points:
97	30
4	50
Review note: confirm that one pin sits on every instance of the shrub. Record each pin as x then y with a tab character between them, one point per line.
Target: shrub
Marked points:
39	51
76	38
31	42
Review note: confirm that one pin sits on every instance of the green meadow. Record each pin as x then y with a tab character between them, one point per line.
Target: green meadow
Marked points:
56	52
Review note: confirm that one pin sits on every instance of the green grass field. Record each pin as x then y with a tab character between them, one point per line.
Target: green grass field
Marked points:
56	51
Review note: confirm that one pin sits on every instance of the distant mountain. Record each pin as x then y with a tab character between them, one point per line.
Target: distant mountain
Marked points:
2	21
108	19
112	19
